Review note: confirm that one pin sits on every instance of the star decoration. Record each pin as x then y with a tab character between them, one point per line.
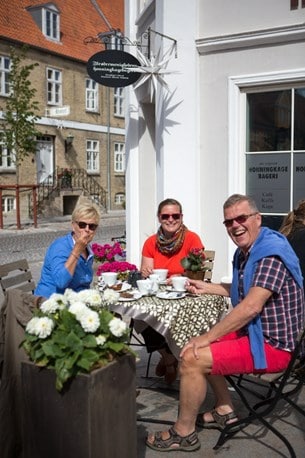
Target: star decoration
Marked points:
153	70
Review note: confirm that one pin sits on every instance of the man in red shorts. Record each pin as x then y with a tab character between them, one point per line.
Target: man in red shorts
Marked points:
258	335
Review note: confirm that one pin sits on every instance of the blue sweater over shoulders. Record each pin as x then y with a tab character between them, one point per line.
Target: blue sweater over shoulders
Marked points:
55	277
268	243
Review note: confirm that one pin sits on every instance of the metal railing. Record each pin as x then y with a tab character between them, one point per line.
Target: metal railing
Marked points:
73	179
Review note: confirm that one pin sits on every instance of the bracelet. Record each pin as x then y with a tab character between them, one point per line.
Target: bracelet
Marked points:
76	257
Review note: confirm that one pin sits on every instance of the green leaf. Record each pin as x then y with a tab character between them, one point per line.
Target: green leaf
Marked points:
185	263
88	358
89	341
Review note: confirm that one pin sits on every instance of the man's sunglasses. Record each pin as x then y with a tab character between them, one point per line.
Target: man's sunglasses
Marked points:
83	225
241	219
166	216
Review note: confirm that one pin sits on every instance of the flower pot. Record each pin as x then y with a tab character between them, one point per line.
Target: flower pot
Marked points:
93	417
195	275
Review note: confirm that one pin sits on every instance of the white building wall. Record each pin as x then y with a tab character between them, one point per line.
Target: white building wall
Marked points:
197	154
166	147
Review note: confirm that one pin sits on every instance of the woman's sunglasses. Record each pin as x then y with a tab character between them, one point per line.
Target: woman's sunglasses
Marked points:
83	225
241	219
166	216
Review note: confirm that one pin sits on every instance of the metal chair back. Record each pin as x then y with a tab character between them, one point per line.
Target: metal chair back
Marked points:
279	387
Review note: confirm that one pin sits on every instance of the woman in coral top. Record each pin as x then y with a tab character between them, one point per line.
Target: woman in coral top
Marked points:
164	250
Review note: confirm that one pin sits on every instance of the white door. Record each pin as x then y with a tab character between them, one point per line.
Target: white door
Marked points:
44	159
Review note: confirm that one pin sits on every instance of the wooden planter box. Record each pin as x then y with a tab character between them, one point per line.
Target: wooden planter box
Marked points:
94	418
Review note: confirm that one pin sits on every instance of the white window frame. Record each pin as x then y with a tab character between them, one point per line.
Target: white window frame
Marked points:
8	203
5	68
7	158
93	156
119	102
91	95
119	198
51	24
119	157
237	123
54	86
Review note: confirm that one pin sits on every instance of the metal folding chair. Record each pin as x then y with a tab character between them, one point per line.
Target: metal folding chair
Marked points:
279	387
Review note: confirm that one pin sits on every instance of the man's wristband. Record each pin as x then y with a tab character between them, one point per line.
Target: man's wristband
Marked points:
76	257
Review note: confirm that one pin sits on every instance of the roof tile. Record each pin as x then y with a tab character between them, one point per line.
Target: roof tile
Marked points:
78	20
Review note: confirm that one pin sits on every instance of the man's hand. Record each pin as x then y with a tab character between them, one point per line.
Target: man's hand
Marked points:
195	343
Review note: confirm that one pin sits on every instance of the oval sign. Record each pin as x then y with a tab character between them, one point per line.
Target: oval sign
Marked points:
111	68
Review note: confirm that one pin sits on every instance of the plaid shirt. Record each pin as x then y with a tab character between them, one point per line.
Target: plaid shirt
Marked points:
282	316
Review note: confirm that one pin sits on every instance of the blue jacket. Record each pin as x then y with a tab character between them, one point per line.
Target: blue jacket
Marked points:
55	277
268	243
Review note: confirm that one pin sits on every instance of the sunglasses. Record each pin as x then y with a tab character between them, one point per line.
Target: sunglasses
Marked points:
241	219
166	216
83	225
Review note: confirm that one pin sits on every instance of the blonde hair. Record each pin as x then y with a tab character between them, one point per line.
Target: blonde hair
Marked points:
86	210
293	219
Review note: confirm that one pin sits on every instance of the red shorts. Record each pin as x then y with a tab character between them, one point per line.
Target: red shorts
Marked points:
232	355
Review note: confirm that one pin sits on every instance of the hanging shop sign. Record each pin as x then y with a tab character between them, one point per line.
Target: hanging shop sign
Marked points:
113	68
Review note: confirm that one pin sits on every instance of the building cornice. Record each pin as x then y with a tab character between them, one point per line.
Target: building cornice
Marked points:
252	39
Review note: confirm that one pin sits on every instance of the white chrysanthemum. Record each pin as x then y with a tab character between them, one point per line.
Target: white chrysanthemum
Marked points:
31	325
61	299
90	296
70	295
78	309
100	340
90	321
111	296
41	327
117	327
51	305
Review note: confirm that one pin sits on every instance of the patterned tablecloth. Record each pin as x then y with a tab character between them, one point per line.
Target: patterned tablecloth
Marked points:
176	319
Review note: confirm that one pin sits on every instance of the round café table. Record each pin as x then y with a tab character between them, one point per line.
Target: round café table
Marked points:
176	319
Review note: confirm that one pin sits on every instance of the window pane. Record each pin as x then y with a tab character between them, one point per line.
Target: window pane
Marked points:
299	119
268	181
269	121
294	4
298	178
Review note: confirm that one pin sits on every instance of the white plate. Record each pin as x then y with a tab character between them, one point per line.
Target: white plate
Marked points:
170	295
125	286
136	296
172	290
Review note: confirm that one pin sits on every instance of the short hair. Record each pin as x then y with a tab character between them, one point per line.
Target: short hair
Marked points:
237	198
168	201
86	210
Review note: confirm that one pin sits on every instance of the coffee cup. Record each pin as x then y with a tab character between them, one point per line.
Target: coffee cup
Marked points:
110	278
179	283
162	274
154	278
145	286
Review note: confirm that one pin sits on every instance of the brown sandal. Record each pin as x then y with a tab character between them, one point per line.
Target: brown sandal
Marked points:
174	442
220	421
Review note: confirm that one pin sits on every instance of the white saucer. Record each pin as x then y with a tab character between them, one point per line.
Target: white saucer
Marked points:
171	295
136	296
